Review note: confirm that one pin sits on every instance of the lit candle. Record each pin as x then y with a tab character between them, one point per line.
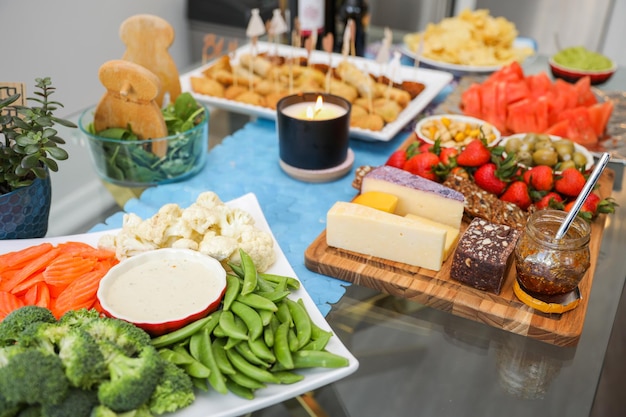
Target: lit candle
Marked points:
313	130
319	111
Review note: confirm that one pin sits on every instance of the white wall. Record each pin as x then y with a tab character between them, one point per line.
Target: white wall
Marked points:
68	40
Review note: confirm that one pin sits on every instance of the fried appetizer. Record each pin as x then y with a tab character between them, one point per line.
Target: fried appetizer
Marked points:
207	86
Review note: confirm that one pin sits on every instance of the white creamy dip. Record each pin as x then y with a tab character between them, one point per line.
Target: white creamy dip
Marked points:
162	288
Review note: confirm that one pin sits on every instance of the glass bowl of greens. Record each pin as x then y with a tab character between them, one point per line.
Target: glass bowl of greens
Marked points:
121	158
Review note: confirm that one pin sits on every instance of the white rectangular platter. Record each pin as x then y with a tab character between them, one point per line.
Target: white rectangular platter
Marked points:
213	404
433	80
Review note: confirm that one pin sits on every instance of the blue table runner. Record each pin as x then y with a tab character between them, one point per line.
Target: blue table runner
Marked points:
247	161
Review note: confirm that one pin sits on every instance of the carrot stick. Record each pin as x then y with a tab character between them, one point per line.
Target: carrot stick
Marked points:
80	292
11	260
66	268
32	267
25	285
8	303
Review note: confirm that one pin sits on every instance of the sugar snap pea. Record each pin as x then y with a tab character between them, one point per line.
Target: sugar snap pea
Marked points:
287	377
182	333
229	327
283	313
263	285
237	269
249	369
266	316
239	391
197	370
281	346
261	350
301	320
250	317
292	340
275	295
175	357
244	350
292	283
200	348
257	301
320	342
220	356
318	359
233	287
246	381
250	273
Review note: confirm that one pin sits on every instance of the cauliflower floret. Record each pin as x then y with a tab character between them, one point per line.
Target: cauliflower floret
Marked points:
161	226
199	218
233	220
107	242
128	244
258	244
185	244
208	199
218	247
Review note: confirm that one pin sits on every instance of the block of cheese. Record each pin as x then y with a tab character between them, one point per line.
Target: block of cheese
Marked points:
378	200
417	195
452	234
369	231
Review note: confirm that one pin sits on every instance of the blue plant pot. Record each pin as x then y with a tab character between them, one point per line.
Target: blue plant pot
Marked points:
24	212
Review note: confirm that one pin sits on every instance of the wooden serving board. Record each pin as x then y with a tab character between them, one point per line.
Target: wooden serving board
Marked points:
438	290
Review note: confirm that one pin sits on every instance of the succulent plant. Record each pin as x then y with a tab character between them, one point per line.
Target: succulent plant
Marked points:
29	144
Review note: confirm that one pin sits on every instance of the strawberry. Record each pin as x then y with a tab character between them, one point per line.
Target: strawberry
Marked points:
584	211
423	164
486	178
460	172
551	200
517	193
594	205
570	183
474	154
540	177
446	155
425	147
397	159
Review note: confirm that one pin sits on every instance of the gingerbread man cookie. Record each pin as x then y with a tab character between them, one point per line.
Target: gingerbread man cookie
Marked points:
130	101
147	39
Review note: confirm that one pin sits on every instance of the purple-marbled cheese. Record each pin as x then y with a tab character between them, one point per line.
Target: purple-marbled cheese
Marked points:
406	179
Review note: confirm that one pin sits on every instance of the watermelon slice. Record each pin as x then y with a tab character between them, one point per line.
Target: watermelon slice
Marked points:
599	115
580	129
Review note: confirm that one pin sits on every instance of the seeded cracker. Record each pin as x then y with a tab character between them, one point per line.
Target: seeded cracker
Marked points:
483	256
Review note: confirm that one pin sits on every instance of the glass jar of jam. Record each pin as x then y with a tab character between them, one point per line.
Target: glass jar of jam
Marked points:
548	266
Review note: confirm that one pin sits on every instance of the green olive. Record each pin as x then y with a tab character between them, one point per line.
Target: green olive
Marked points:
524	158
566	164
543	137
564	147
545	157
579	159
512	145
544	144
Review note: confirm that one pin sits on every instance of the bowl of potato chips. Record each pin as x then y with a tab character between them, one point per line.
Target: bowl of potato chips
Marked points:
471	42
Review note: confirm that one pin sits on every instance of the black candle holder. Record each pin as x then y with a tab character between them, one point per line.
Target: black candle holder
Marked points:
310	144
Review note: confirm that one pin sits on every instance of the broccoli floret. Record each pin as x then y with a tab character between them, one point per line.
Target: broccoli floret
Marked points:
127	336
78	350
30	411
33	376
14	324
132	379
8	408
77	403
173	392
77	318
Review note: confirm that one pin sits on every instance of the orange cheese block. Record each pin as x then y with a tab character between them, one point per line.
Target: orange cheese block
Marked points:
378	200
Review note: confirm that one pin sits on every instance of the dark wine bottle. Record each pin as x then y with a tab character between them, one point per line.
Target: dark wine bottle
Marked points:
357	10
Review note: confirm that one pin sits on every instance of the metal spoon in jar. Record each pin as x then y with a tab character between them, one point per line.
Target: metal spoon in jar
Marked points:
591	181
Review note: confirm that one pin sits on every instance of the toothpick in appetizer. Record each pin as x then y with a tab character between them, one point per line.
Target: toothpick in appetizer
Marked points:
394	68
255	28
347	38
278	27
383	55
328	43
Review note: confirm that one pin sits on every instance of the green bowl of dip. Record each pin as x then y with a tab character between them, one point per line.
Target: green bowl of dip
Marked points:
574	63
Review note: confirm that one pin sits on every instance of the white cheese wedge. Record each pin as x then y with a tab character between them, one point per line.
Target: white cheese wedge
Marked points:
369	231
417	195
452	234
